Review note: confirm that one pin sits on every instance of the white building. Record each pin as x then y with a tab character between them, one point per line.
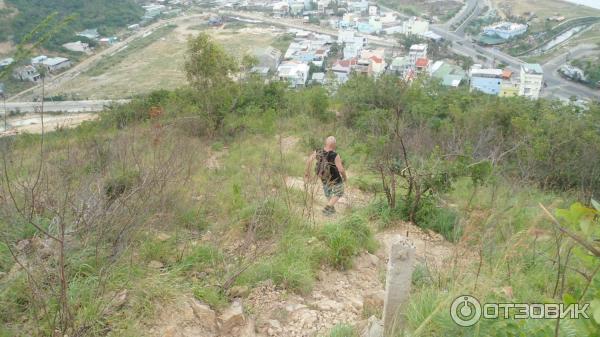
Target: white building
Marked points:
373	10
27	73
532	80
294	72
505	30
77	46
415	25
417	51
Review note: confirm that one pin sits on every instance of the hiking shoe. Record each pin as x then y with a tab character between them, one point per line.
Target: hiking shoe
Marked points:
329	210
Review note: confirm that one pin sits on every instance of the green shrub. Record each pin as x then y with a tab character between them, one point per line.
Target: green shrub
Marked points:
267	218
193	219
421	275
163	251
440	220
201	258
293	266
346	239
343	330
211	296
120	183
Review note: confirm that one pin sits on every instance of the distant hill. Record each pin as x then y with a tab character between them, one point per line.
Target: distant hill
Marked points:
19	17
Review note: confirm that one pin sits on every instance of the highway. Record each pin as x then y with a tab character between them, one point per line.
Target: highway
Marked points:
61	106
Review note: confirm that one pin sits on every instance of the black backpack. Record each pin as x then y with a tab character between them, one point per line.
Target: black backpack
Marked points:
323	166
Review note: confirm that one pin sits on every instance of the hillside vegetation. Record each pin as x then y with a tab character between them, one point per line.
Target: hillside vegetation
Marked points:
185	193
106	15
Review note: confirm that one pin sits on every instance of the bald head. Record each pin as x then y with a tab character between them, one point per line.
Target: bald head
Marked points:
330	143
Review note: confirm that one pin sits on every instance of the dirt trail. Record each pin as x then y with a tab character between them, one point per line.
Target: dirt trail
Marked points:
338	297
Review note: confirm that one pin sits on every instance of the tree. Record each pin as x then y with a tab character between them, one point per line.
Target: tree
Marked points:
209	70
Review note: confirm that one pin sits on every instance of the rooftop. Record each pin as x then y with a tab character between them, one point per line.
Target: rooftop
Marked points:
532	68
418	47
486	72
54	61
422	62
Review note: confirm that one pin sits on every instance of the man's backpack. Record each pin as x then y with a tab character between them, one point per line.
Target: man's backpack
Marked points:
323	166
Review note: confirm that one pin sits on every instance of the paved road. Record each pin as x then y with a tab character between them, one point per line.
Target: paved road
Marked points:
556	85
63	106
561	87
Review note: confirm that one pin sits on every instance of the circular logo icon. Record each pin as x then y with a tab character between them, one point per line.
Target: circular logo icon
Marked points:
465	310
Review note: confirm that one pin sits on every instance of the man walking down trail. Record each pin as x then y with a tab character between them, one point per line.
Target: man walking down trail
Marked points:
331	171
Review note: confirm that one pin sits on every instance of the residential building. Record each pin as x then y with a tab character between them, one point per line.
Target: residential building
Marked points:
27	73
342	69
532	80
373	10
6	62
486	80
400	65
318	78
153	11
417	51
91	34
281	9
54	64
36	61
77	46
509	87
422	65
269	57
505	30
375	59
449	74
294	72
415	25
261	71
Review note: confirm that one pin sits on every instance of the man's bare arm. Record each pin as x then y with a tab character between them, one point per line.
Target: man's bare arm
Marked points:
340	167
309	163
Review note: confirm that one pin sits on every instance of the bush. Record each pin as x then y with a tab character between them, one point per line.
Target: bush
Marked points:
293	266
343	330
346	239
120	183
211	296
440	220
201	258
193	219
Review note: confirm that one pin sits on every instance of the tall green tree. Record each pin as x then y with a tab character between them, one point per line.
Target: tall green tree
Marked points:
210	71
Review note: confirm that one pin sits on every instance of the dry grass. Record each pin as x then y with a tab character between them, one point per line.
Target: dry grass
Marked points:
160	65
544	8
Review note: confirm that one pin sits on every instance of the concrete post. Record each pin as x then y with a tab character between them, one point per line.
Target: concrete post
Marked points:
397	284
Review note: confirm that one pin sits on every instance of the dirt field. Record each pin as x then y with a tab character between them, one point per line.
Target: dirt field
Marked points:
31	123
160	64
544	8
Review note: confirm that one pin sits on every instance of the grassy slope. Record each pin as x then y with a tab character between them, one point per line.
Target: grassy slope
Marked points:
226	200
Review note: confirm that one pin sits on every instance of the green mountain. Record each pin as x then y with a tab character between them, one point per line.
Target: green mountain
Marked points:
20	17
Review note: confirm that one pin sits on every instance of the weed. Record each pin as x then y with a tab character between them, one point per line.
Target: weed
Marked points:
346	239
343	330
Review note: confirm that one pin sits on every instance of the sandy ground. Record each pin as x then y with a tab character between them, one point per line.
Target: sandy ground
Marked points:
32	123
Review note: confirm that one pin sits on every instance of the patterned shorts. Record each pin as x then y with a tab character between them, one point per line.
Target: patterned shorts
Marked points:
333	190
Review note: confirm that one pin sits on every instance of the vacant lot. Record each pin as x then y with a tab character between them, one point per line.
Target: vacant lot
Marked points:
442	9
158	63
543	8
